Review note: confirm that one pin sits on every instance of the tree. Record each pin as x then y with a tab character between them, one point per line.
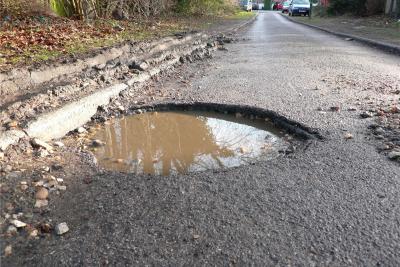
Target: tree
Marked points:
267	4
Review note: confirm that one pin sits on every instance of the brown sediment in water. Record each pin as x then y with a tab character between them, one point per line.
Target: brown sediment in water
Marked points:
162	143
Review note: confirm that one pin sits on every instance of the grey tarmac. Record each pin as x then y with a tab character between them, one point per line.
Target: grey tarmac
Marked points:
335	203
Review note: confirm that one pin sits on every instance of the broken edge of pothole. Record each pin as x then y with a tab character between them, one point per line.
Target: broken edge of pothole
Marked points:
290	126
301	134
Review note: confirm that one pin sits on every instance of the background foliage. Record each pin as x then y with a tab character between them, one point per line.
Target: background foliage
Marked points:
357	7
119	9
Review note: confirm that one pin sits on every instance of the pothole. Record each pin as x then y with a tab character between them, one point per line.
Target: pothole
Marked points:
170	142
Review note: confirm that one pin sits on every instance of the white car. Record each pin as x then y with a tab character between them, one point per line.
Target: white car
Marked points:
246	5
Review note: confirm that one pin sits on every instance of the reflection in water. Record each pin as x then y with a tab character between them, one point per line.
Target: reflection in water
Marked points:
177	142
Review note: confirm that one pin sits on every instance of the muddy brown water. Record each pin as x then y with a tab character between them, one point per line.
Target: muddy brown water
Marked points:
164	143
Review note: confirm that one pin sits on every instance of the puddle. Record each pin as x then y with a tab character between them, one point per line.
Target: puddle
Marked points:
163	143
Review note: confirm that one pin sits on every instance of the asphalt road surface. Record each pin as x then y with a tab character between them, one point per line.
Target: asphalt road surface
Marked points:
336	203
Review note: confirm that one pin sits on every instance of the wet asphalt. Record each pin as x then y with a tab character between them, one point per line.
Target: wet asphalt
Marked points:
334	203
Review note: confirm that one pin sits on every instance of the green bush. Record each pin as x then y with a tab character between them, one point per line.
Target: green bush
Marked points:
339	7
204	7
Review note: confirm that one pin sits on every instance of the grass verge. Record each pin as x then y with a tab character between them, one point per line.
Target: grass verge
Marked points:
38	39
378	28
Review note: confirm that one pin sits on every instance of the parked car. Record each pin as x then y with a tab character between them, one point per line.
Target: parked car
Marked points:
285	6
246	5
256	6
299	7
277	6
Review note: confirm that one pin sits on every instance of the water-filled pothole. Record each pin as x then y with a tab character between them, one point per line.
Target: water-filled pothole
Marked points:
164	143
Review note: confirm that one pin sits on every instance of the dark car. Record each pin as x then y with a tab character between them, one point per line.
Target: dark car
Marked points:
299	7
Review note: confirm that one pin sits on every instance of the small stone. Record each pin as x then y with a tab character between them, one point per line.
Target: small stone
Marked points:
42	153
100	66
348	136
81	130
1	155
9	206
61	228
11	230
379	131
348	39
352	109
84	84
46	168
61	187
8	168
8	250
41	203
39	143
384	147
60	180
24	187
38	183
196	236
46	227
33	233
59	144
12	124
18	223
42	193
17	216
118	28
365	115
4	188
121	108
119	161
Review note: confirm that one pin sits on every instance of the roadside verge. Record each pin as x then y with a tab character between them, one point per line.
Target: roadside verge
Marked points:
391	48
118	72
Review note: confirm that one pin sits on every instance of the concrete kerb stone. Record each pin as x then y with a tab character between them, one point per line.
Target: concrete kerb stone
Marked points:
394	49
58	123
24	77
